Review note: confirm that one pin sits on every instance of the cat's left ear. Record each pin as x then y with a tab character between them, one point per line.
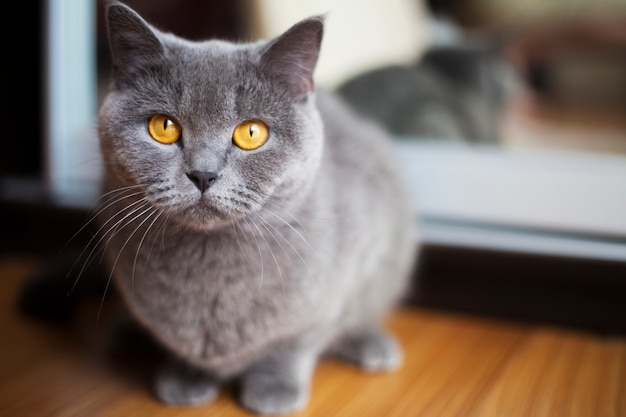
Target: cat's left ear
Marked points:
293	55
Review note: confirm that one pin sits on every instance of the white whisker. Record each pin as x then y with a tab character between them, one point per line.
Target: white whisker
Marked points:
269	225
139	249
235	224
328	262
90	257
280	272
112	270
287	211
116	193
286	223
116	199
260	253
160	231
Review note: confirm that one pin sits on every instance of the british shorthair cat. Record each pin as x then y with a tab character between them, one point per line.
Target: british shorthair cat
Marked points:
254	223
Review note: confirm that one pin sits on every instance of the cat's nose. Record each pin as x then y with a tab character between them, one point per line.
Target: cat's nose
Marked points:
202	179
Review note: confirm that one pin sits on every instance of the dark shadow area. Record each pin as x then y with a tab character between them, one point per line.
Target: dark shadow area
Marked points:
578	293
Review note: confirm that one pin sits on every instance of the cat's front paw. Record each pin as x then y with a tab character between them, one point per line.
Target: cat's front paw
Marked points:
272	394
380	354
372	350
180	384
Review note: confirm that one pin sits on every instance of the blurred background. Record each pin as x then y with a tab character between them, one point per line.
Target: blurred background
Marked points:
509	117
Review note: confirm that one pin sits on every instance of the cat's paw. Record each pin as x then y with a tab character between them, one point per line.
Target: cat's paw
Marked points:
180	384
372	350
380	353
273	394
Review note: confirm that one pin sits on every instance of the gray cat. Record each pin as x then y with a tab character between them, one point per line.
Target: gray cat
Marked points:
253	224
457	91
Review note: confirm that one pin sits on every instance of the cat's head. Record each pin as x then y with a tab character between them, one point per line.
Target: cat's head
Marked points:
211	131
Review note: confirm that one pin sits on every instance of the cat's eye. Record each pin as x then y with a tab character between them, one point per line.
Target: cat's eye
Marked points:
164	129
250	135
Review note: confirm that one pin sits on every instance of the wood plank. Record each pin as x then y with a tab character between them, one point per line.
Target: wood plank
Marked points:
561	373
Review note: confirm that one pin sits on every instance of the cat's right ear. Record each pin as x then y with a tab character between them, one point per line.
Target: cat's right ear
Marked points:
133	42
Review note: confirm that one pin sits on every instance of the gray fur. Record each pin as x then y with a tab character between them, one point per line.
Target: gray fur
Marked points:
297	250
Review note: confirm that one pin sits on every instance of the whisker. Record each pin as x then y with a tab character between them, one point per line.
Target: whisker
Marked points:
265	225
287	211
324	260
280	272
90	257
117	258
160	230
260	253
120	225
117	191
163	236
95	216
139	249
243	232
269	225
286	223
234	223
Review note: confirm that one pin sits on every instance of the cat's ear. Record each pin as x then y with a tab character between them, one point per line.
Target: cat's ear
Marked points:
133	42
293	55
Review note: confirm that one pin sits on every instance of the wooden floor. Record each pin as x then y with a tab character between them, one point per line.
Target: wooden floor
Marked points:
455	366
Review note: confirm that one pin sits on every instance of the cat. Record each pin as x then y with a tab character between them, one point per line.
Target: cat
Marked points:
457	90
254	224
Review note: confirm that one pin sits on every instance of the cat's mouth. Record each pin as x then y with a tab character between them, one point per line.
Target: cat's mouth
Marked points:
211	204
204	214
210	211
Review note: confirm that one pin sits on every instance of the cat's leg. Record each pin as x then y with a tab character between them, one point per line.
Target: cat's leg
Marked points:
370	348
177	383
279	384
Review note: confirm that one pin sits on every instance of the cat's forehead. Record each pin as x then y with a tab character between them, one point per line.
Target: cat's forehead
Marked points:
211	68
212	57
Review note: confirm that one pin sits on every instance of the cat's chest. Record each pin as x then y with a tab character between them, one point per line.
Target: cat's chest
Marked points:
212	280
197	269
218	293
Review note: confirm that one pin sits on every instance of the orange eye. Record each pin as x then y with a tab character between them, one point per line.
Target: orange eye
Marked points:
164	129
250	135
